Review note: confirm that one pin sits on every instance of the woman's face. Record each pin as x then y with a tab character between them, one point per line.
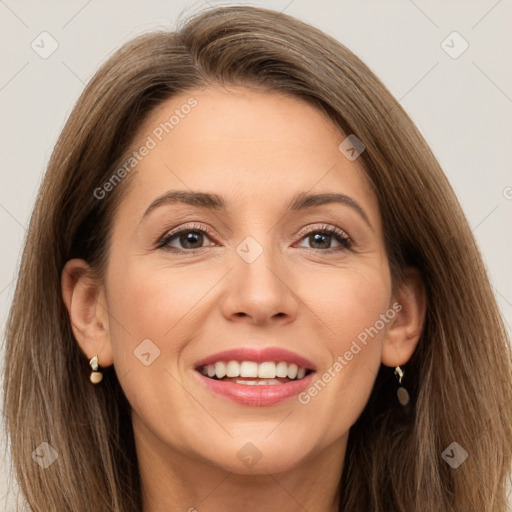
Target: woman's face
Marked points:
253	276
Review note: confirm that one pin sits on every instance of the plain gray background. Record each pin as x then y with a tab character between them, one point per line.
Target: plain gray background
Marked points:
461	103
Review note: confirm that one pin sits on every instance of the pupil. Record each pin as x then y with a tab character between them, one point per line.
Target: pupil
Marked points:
318	238
190	238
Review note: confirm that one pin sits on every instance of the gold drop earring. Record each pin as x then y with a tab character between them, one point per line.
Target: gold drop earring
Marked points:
96	376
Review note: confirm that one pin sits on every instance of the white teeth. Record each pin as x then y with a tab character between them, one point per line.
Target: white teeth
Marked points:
220	369
248	369
271	382
233	369
282	369
247	382
292	371
251	369
267	370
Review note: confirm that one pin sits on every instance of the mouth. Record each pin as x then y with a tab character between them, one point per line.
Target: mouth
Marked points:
252	373
254	376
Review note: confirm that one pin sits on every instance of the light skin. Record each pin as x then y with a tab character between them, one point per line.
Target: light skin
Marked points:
313	296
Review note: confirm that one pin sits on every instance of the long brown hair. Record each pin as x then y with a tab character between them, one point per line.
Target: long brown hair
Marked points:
459	378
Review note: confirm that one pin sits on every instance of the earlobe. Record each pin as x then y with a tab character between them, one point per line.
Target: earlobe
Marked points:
404	332
87	309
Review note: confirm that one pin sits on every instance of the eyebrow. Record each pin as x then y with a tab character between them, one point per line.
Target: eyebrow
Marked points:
215	202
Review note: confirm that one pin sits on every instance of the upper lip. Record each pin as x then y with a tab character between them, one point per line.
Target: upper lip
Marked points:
258	355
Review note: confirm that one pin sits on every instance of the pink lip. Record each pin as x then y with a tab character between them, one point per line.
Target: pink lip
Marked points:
259	356
257	395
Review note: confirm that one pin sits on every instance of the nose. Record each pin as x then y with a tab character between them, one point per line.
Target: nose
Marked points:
260	292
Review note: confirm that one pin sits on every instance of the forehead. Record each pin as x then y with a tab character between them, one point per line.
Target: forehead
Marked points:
247	145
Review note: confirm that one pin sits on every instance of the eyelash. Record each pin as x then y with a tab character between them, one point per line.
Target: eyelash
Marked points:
345	241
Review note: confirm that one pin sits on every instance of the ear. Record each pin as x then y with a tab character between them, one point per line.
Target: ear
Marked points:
87	308
404	332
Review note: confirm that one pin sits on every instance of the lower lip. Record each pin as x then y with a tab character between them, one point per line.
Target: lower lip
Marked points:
259	394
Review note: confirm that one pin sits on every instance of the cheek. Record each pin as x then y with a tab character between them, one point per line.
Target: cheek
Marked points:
348	302
150	301
152	317
147	303
351	305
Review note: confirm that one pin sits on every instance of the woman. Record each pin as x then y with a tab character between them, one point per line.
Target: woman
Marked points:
247	283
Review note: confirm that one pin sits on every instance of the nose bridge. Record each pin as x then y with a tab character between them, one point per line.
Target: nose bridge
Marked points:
256	257
257	284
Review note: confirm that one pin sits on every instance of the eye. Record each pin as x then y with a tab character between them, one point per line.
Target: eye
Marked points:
192	238
189	238
322	237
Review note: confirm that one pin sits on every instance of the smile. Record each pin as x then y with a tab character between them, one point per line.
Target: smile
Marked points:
252	373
